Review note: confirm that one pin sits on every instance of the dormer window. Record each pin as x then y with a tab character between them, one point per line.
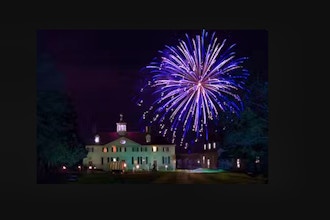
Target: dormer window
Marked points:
97	139
148	138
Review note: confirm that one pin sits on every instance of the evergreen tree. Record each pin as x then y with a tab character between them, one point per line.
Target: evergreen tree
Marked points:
58	142
247	136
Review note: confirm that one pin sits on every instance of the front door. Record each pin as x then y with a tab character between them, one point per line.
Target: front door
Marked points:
154	165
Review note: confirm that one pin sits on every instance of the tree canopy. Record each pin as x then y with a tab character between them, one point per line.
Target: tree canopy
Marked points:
247	135
58	142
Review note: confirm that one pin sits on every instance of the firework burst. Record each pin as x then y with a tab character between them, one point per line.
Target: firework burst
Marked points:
191	84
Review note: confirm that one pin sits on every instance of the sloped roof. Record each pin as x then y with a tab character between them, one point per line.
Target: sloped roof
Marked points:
138	137
195	150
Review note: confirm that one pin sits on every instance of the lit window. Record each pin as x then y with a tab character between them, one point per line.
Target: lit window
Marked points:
154	148
209	145
208	162
214	145
204	146
121	127
203	159
114	159
114	149
105	149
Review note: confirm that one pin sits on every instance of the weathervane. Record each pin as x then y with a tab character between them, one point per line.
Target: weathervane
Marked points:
121	117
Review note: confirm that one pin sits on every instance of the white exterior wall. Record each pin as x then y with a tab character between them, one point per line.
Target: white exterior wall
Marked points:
95	156
158	156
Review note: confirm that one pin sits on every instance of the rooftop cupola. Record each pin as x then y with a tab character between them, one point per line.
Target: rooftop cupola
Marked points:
121	126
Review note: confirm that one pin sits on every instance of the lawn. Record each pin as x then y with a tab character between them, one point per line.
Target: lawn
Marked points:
109	178
170	177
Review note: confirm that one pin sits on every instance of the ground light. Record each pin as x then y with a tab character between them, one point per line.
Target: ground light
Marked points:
203	170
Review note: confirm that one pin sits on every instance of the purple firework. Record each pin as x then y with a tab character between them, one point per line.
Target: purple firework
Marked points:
191	84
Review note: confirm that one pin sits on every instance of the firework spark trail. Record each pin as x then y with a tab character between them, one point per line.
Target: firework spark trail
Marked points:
192	83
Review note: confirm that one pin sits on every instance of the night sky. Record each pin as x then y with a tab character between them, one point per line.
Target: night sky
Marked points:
100	69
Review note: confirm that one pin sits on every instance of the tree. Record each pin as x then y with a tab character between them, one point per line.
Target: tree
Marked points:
247	135
58	142
247	131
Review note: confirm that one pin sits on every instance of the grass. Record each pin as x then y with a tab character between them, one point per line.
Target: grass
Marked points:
170	177
236	178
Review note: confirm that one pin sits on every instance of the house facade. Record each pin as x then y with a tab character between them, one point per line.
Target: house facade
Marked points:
138	151
205	156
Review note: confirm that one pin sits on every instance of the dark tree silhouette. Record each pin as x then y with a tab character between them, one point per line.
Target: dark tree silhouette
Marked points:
247	135
58	142
57	139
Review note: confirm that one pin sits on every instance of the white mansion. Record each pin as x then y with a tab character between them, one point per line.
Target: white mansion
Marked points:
138	150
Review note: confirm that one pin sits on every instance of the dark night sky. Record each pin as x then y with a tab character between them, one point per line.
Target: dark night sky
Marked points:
100	68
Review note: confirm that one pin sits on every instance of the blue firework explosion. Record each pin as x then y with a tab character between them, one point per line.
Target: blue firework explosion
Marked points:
190	84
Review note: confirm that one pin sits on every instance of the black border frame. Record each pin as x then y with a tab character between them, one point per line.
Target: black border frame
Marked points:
286	148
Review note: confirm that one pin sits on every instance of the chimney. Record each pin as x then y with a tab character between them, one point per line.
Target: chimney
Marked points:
148	130
148	134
